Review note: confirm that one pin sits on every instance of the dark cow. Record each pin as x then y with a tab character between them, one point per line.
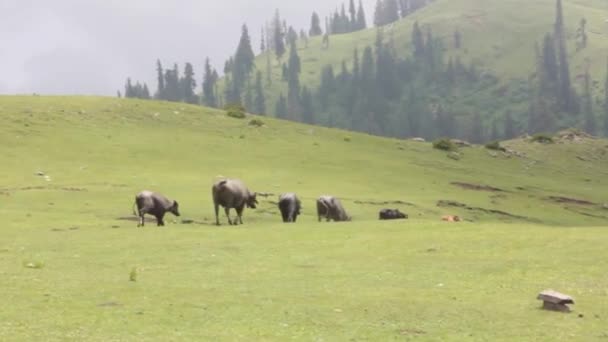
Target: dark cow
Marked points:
289	205
331	208
232	193
391	214
155	204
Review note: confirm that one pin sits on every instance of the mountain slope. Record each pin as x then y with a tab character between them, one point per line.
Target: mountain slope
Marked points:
498	36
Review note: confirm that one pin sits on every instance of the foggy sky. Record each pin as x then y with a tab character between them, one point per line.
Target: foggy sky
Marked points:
91	46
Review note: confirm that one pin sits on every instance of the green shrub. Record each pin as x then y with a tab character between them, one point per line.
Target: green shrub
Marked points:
495	145
133	274
444	145
236	111
454	155
256	122
347	139
542	138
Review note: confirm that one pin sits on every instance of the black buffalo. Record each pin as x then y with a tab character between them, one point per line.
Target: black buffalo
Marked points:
391	214
289	205
232	193
155	204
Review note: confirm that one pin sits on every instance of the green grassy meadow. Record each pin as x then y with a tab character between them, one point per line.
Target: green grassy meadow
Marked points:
69	242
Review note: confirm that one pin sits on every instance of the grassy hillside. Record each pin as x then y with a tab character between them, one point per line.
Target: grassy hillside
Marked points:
498	36
69	242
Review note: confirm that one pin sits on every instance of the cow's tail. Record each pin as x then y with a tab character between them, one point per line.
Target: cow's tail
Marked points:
133	207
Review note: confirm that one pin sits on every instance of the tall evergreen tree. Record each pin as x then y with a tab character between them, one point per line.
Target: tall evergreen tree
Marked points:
391	11
244	57
477	135
161	81
209	82
379	19
361	19
606	103
352	10
262	41
188	84
145	92
281	107
129	89
293	83
307	106
457	39
418	42
315	25
278	36
259	101
510	130
565	87
292	36
589	124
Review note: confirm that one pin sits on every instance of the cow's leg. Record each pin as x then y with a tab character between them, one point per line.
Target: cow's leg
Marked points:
159	220
239	213
217	209
227	211
141	218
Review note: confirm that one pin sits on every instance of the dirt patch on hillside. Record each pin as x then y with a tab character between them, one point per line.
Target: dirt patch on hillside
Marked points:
477	187
567	200
395	202
500	213
578	211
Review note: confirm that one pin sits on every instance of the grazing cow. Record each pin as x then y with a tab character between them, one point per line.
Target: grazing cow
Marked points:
155	204
232	193
391	214
289	205
331	208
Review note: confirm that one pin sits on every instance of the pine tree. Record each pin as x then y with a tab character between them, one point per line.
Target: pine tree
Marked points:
278	36
581	35
361	19
161	81
145	92
418	42
457	39
209	81
172	84
356	65
281	107
391	11
262	41
509	131
292	36
315	25
477	135
243	58
565	87
307	106
188	84
129	89
606	103
248	97
293	83
379	19
259	101
352	10
588	106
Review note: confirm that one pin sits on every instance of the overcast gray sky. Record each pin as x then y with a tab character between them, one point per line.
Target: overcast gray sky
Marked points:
91	46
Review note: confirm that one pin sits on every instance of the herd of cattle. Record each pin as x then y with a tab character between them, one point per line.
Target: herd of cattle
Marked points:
233	193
